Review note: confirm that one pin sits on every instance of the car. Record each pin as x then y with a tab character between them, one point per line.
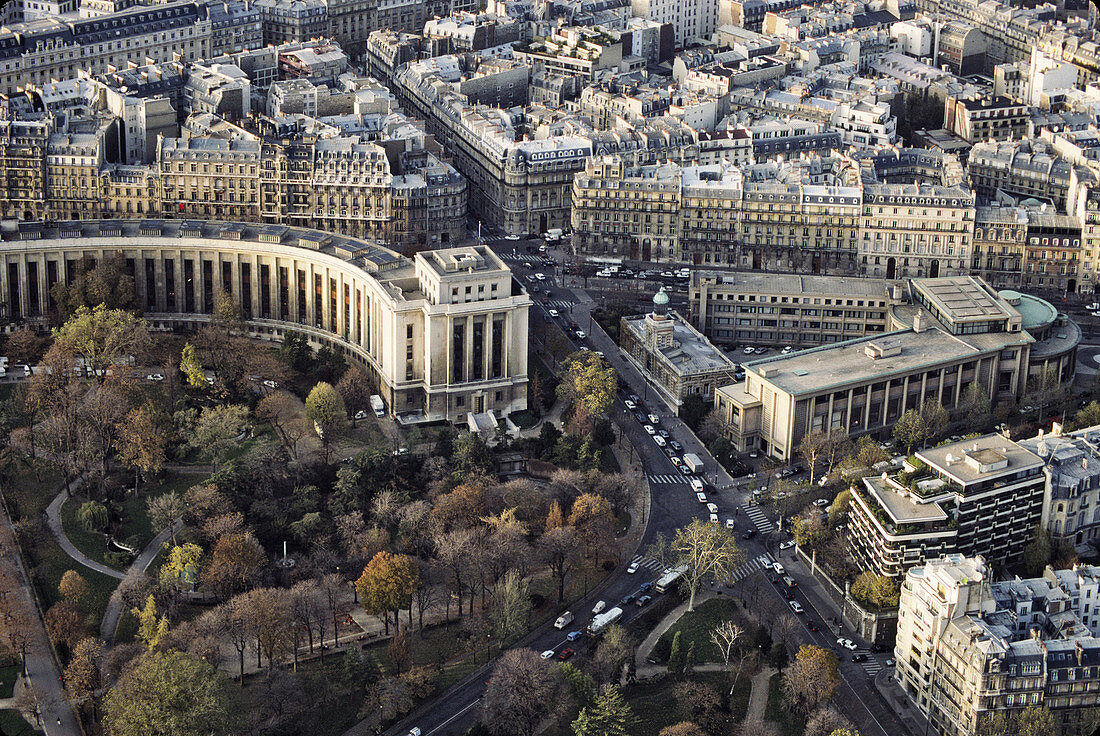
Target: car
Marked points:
796	607
414	731
640	417
581	335
787	349
659	440
859	657
749	350
536	289
675	460
676	445
573	635
643	601
779	569
760	351
548	654
632	568
155	377
749	534
790	582
812	626
785	592
630	405
663	433
634	398
731	524
1095	306
890	662
553	313
787	545
685	470
714	518
1095	314
821	502
361	414
540	276
401	451
712	507
701	496
847	643
955	438
654	419
649	429
626	599
565	654
645	588
271	384
600	353
754	453
878	648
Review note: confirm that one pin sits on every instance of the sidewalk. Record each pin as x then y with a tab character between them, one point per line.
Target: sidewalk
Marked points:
53	517
646	670
111	616
758	697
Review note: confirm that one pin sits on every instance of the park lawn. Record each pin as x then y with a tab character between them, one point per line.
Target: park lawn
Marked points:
695	626
48	562
12	723
789	723
9	671
524	419
137	529
27	495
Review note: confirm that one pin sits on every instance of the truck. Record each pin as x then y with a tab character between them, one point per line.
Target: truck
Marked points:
670	578
378	405
600	623
564	620
693	462
553	235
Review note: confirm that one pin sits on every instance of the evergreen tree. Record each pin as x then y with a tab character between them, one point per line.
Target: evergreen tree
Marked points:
676	656
609	715
689	660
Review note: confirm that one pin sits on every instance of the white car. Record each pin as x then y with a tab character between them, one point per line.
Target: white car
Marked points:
712	507
787	545
654	419
749	350
821	502
553	313
779	569
796	607
361	414
649	429
548	654
714	518
847	644
540	276
598	608
155	377
1093	307
581	335
632	568
730	524
659	440
702	497
271	384
630	405
415	731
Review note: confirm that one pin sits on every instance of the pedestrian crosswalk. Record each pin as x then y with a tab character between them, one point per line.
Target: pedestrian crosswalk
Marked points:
667	478
763	523
562	305
748	568
647	562
872	666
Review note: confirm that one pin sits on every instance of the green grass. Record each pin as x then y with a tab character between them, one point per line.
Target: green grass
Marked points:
8	672
696	626
524	419
137	527
49	562
12	723
776	711
27	495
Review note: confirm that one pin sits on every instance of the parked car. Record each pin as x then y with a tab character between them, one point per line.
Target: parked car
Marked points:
361	414
859	657
779	569
565	654
548	654
645	587
702	497
553	313
749	534
730	524
676	445
787	545
626	599
630	405
649	429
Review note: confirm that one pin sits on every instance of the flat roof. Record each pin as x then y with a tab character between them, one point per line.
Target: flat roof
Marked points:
990	456
901	506
773	283
845	363
962	299
690	352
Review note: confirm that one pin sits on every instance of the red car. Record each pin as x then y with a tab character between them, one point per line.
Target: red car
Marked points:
812	626
565	654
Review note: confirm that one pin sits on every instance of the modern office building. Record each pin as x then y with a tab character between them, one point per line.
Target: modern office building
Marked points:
967	647
944	334
444	333
672	355
976	497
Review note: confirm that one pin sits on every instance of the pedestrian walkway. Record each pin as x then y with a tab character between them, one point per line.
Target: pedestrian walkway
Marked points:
667	479
647	562
872	666
745	569
758	698
53	518
759	518
562	305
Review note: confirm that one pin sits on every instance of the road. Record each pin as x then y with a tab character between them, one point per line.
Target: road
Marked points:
674	504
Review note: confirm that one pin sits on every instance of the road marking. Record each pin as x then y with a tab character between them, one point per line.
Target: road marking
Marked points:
667	479
758	517
456	715
647	562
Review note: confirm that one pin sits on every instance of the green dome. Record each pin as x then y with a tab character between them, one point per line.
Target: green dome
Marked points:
660	299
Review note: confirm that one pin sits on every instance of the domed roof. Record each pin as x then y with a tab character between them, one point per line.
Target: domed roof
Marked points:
660	299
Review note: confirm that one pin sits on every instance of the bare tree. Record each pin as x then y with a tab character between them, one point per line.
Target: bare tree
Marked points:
725	636
558	549
824	721
519	694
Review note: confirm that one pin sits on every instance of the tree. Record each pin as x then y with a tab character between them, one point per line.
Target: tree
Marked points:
217	430
172	694
615	649
325	409
25	346
519	694
1035	720
107	283
910	430
838	509
92	516
472	457
1037	553
935	417
876	590
589	382
102	337
510	607
683	728
191	367
355	387
694	410
608	715
824	721
267	618
725	636
813	447
164	510
557	548
709	551
1088	416
387	585
676	655
151	628
74	588
808	529
975	406
64	623
700	703
144	441
235	559
280	409
182	564
595	524
83	675
1045	390
813	678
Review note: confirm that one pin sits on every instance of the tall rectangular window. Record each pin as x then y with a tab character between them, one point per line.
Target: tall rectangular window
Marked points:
301	296
32	289
265	291
478	353
51	279
208	287
497	356
458	352
188	285
169	285
150	284
13	289
284	292
246	290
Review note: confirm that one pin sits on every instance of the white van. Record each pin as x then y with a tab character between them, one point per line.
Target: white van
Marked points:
598	608
697	485
564	620
659	440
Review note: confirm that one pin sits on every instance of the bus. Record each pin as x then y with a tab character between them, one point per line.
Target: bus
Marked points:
670	578
600	623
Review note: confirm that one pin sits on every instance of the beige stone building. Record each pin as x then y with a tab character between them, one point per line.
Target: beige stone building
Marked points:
444	334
